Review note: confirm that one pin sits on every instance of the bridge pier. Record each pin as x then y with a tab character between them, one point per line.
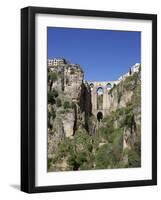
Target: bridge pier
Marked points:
105	88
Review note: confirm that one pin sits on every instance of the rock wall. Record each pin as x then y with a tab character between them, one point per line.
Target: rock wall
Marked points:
75	108
127	95
76	139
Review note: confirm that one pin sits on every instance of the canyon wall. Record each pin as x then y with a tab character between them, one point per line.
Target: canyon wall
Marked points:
76	139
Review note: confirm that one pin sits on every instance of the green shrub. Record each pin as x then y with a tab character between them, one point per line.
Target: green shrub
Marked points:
49	114
82	137
58	102
104	132
103	157
72	162
133	159
62	111
128	82
108	128
67	105
119	95
67	81
49	124
89	147
73	105
51	96
64	148
53	114
49	163
78	151
117	144
52	76
55	93
136	98
81	158
124	115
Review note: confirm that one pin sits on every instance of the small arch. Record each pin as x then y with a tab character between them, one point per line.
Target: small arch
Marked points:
92	85
99	91
109	86
99	116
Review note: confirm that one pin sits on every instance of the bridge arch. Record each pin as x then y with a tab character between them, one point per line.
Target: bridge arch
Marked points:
91	85
99	90
100	97
108	85
99	116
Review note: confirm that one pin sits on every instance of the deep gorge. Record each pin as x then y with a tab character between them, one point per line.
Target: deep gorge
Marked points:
77	138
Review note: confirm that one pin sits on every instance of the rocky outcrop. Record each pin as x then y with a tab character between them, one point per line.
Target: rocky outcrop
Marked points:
70	103
86	106
68	124
126	99
73	78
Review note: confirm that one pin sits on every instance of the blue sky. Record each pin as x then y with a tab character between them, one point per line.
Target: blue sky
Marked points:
104	55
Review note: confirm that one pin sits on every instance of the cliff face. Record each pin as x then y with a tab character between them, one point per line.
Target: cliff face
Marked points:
125	117
125	91
67	108
76	139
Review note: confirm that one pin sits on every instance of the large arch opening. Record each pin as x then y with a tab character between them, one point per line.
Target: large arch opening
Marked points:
99	90
99	116
99	98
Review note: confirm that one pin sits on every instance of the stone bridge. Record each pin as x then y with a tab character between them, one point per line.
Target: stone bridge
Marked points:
100	97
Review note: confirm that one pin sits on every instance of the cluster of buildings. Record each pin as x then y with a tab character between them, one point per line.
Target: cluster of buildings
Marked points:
53	63
61	61
56	62
133	69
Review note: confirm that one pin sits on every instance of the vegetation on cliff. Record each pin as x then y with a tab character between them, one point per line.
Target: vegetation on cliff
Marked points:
76	139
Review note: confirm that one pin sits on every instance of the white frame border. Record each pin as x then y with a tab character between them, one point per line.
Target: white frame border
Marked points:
42	178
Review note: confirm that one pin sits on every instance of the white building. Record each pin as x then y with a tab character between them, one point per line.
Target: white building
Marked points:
56	62
135	68
123	76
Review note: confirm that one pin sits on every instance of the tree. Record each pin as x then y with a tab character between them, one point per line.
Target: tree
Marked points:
51	96
58	102
67	105
103	157
51	99
52	76
55	93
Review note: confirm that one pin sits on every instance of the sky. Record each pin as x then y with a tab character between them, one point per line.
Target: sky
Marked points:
104	55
